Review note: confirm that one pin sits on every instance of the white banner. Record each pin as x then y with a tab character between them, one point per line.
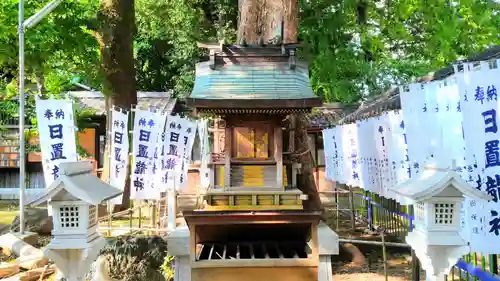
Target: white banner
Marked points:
398	153
352	155
341	172
188	138
329	152
178	132
119	151
383	140
480	108
205	153
371	156
173	148
156	184
146	130
414	106
56	127
429	123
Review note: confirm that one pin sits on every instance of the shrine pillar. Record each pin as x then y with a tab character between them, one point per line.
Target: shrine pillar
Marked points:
178	246
278	156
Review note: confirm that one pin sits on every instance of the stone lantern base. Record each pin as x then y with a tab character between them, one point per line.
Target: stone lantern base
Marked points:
436	260
74	264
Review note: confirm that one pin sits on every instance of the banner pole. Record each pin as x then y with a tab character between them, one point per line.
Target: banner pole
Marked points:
172	206
22	155
109	143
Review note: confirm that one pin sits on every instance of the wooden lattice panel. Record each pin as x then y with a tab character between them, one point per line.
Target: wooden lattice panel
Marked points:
92	216
443	213
69	217
250	175
253	250
254	200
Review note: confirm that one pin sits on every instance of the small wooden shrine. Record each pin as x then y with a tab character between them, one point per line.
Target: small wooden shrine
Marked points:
253	225
252	89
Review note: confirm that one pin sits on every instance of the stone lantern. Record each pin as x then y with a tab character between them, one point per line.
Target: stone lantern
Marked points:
437	195
74	198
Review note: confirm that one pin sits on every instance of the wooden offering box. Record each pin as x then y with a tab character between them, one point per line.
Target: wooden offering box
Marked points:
250	246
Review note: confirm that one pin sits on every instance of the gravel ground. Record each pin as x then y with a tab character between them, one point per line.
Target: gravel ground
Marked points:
367	277
398	259
4	258
399	269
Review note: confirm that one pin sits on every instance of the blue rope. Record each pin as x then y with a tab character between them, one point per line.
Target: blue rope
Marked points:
476	271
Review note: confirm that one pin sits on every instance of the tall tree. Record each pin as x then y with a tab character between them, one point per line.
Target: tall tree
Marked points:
117	18
260	22
117	28
359	48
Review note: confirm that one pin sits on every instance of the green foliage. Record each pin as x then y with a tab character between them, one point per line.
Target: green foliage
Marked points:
8	108
58	48
166	41
58	44
168	268
165	45
404	38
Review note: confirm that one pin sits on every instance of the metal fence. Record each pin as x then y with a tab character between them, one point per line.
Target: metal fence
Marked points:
397	221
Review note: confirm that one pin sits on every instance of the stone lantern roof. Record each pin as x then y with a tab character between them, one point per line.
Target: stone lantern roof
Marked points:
76	178
434	182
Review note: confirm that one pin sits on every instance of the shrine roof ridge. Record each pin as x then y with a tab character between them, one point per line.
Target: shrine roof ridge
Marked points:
220	47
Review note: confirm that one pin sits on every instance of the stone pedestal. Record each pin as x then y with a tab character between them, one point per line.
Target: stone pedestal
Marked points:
328	245
178	246
31	238
74	264
436	260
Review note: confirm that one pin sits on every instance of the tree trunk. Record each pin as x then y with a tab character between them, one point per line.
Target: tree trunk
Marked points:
117	18
306	181
260	21
40	83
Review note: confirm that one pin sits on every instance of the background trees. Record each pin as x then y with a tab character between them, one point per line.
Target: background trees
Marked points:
355	47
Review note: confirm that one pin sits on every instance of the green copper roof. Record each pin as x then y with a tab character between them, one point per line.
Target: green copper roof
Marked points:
273	81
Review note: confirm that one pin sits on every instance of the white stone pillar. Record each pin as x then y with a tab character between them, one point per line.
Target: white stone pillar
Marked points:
325	268
328	245
178	246
437	258
74	264
171	209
